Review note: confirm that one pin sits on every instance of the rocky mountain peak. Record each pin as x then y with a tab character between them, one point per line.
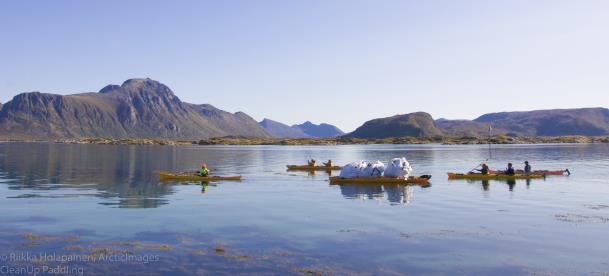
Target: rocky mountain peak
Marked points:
139	86
148	87
139	82
110	88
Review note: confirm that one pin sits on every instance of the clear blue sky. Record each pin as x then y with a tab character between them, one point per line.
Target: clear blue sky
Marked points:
341	62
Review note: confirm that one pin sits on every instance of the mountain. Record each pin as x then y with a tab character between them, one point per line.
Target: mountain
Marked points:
554	122
418	124
139	108
462	128
319	131
280	130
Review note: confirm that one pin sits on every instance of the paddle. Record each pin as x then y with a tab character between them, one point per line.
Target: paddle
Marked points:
472	170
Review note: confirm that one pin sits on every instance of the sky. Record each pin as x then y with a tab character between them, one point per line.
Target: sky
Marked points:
339	62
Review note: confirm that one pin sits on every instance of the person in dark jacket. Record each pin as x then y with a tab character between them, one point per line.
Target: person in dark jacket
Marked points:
510	169
484	169
527	167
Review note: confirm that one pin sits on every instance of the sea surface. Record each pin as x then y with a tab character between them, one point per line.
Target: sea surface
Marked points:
100	209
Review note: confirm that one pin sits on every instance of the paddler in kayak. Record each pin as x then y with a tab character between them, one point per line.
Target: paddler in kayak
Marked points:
510	170
204	170
311	162
484	170
328	164
527	167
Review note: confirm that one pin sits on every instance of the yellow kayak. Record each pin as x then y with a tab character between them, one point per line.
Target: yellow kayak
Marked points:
312	168
194	177
379	180
479	176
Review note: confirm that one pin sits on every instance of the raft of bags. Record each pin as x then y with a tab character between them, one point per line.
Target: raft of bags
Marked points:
398	167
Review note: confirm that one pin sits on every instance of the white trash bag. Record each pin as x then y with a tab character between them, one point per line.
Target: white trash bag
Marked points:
362	169
375	169
350	170
398	167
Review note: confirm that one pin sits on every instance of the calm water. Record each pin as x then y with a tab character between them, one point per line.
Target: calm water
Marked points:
85	201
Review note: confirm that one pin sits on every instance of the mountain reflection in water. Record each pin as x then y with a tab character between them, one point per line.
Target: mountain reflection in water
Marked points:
123	175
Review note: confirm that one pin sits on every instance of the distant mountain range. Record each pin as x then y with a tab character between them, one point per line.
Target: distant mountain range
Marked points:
280	130
144	108
139	108
305	130
555	122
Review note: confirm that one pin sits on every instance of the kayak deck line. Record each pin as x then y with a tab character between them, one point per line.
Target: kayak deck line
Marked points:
184	176
479	176
564	172
312	168
424	181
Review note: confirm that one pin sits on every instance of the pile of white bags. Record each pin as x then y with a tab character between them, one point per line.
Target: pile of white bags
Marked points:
362	169
398	167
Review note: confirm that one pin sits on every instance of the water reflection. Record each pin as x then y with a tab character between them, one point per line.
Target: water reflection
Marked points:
311	173
204	185
511	183
120	175
393	193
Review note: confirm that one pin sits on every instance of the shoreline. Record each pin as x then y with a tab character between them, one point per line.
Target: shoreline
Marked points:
497	140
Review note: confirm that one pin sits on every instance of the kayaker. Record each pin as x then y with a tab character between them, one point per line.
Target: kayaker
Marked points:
204	170
510	169
311	162
527	167
328	164
484	169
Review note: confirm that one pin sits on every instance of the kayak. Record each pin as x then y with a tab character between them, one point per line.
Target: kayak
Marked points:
493	176
380	180
194	177
546	172
312	168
